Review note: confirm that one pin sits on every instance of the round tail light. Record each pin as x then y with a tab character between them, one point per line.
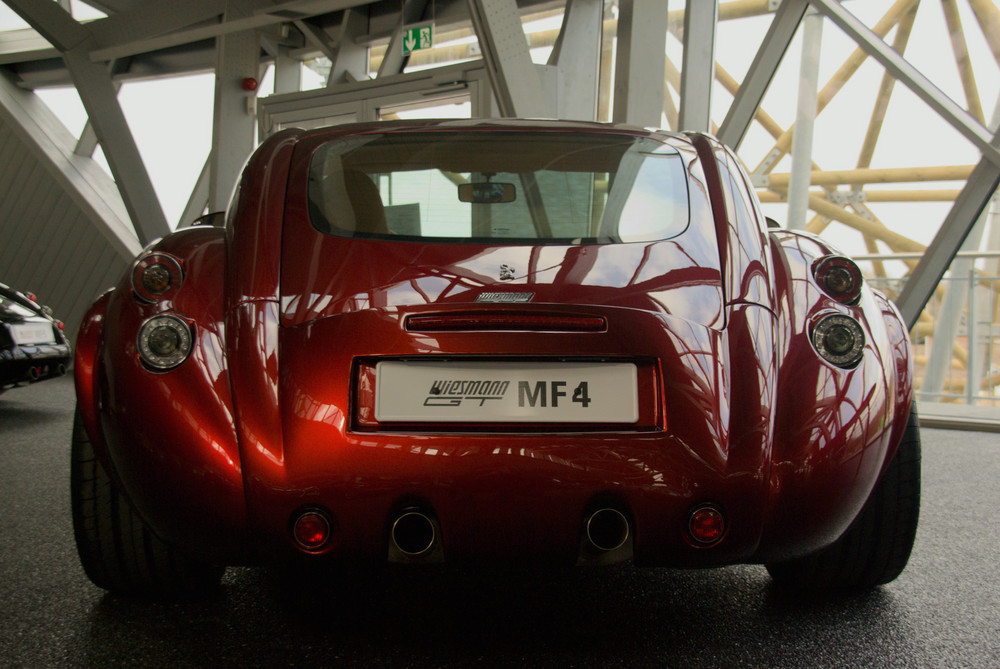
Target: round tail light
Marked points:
839	340
839	278
706	525
156	277
164	341
311	530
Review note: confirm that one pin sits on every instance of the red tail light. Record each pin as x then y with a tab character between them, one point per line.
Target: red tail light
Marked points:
706	525
156	277
60	325
839	278
311	530
507	321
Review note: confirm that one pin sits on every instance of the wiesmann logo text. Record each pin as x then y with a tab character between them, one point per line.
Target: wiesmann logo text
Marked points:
453	392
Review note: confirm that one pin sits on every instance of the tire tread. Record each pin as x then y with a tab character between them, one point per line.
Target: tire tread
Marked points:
877	546
118	550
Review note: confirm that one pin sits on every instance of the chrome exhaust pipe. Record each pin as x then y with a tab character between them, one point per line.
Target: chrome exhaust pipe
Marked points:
414	534
33	373
61	370
607	529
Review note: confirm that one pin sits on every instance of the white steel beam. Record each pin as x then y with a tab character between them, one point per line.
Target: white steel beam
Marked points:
317	38
100	99
900	68
52	22
698	73
260	13
152	18
24	45
640	61
90	188
237	58
198	200
111	6
287	72
805	122
516	84
577	56
87	143
350	57
971	202
394	61
765	64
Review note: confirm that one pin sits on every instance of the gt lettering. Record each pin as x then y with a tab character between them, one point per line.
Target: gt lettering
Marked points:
538	394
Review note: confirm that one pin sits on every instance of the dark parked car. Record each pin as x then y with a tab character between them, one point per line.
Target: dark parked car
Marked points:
32	344
483	341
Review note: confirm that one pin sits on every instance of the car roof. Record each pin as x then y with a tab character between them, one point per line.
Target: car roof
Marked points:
489	125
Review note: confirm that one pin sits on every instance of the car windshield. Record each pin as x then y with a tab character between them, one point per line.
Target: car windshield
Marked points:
508	187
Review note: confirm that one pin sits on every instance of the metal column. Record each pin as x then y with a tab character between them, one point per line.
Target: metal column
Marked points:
802	140
698	73
515	80
237	58
640	61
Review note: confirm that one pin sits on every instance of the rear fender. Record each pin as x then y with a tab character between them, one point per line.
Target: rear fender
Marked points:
836	429
170	435
85	365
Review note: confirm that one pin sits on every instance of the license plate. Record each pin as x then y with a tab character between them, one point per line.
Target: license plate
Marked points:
546	392
33	333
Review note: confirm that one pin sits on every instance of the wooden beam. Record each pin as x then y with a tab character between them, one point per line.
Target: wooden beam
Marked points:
871	176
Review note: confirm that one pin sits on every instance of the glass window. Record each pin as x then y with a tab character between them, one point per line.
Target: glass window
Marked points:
514	187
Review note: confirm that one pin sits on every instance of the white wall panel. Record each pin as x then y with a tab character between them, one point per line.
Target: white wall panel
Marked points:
64	233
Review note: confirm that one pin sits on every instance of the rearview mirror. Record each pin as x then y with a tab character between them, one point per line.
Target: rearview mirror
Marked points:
215	218
487	193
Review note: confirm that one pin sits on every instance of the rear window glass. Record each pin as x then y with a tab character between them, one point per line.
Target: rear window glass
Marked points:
11	308
509	187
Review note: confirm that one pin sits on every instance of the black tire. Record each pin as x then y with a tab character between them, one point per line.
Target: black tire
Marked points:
877	546
118	550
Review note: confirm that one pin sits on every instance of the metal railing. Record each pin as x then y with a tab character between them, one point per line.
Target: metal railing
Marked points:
957	339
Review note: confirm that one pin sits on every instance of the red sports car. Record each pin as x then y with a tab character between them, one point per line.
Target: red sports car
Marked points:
506	341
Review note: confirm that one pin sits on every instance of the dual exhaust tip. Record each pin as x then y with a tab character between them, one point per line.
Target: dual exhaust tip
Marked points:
416	535
37	373
607	530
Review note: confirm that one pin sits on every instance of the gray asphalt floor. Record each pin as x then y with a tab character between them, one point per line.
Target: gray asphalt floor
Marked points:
944	611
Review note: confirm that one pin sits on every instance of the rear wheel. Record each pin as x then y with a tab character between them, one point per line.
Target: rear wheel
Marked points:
118	550
876	548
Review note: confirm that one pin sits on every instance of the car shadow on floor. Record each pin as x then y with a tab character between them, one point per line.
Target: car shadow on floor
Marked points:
617	616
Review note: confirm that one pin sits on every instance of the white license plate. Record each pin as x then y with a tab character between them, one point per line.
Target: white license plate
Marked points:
560	392
33	333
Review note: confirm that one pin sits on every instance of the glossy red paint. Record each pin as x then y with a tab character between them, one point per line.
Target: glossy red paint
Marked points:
85	362
171	435
831	451
271	415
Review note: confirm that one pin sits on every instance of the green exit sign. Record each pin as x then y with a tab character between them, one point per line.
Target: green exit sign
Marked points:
417	37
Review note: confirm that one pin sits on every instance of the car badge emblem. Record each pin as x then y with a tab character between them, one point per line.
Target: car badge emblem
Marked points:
506	273
504	297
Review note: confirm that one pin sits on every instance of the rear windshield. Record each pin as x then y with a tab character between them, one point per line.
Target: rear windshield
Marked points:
10	308
509	187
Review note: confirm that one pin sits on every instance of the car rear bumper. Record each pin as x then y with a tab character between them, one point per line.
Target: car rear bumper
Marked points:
27	364
526	498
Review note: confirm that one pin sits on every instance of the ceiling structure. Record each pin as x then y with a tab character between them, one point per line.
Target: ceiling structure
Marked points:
609	60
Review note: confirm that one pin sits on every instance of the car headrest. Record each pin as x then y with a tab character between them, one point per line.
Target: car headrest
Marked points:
369	212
